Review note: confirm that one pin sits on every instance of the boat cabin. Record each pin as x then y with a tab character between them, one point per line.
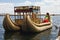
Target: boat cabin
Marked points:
20	11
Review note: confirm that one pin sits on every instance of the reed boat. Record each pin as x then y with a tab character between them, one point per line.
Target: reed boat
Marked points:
9	25
31	26
24	22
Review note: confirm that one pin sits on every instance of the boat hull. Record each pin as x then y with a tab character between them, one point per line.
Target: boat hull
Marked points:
31	27
9	25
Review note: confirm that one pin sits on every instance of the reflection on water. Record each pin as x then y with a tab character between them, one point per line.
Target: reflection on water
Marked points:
27	36
54	32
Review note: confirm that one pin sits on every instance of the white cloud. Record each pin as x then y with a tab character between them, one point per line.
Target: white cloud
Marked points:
6	8
26	3
51	6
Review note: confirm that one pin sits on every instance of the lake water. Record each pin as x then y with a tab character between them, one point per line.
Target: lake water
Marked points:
50	34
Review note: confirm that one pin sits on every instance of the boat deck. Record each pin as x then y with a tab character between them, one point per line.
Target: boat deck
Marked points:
36	20
19	21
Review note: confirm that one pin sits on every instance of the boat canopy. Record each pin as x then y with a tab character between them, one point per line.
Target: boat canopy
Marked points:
26	9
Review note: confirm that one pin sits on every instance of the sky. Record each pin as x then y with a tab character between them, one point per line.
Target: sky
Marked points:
51	6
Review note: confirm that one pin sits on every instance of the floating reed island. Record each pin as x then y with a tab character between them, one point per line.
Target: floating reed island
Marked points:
26	19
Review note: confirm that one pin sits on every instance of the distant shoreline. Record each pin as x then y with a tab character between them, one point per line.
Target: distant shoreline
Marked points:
38	15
